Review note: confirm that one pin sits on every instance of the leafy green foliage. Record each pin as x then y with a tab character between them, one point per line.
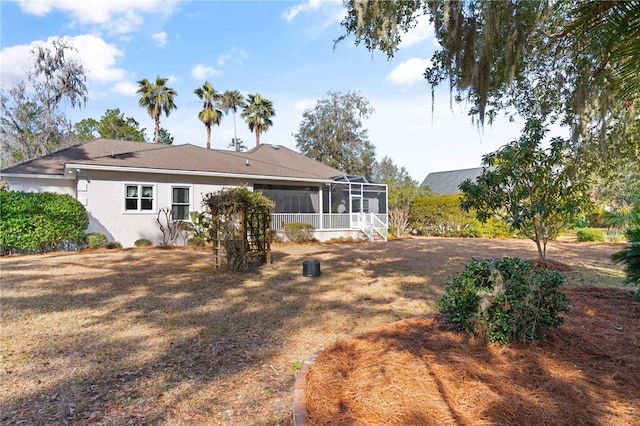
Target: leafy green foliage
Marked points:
196	242
96	240
298	232
112	125
441	215
570	61
241	224
333	133
257	113
156	97
506	300
590	234
39	222
113	245
402	190
630	256
536	191
142	242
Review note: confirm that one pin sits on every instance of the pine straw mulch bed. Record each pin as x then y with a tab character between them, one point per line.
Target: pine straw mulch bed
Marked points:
421	372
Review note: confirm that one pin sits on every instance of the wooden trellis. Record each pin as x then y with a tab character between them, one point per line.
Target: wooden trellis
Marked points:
240	227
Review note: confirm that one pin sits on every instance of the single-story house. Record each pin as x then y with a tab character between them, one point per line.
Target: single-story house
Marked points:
123	185
447	182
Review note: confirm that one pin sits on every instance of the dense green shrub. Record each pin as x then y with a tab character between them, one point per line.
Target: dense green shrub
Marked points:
142	242
96	240
113	245
506	299
590	234
39	222
298	232
630	258
442	216
196	242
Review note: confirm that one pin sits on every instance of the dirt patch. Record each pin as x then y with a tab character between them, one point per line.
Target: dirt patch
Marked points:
160	337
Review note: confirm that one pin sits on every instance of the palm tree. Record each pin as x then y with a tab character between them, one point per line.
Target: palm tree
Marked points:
257	113
156	97
232	100
210	113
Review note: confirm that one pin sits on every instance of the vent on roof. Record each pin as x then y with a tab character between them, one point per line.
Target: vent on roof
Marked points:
276	147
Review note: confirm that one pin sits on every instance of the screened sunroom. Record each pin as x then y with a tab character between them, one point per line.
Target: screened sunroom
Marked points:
345	206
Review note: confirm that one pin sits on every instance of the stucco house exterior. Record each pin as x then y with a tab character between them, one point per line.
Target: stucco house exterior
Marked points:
123	185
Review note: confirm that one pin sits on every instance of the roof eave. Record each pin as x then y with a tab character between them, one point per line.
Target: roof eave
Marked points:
80	166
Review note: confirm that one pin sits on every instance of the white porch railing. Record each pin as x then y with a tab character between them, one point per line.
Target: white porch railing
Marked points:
368	223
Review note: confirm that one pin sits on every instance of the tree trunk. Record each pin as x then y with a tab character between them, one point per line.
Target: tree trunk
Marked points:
157	128
235	131
209	137
257	137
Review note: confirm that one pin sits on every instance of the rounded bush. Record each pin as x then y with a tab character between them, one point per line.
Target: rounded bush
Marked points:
39	221
113	245
196	242
142	242
590	234
506	300
96	240
298	232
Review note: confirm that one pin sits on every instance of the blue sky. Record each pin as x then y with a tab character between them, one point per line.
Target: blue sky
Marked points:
281	49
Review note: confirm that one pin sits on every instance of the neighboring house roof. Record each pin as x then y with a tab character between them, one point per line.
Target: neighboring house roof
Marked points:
107	154
447	182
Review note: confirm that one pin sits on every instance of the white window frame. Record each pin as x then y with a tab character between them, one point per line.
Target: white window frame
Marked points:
139	198
190	202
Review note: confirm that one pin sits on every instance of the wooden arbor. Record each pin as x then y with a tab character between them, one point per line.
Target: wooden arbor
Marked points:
240	227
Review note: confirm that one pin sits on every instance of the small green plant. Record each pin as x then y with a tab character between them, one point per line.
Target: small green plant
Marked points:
196	242
113	245
590	234
298	232
143	242
96	240
506	300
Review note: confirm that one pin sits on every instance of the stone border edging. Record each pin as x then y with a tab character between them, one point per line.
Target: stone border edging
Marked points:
299	403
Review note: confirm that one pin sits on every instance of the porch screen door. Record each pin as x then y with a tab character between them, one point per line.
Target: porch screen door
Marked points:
356	209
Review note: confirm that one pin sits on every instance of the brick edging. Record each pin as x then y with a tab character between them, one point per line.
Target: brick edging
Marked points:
299	403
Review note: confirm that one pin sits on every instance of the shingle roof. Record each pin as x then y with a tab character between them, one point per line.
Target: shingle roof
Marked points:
447	182
264	160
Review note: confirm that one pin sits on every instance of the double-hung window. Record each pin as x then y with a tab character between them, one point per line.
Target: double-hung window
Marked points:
180	203
138	198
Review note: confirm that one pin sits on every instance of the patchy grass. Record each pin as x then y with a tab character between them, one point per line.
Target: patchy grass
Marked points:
159	337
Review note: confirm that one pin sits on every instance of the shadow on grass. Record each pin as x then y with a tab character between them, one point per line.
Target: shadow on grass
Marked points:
157	336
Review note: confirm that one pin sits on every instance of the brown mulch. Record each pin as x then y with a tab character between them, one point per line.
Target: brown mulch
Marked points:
421	372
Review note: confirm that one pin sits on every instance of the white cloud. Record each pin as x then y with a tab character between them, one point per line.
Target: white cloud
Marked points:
98	58
423	30
160	38
308	6
236	55
409	72
201	71
125	88
116	16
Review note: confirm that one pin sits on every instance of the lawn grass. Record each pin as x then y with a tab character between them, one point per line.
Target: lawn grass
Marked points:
148	336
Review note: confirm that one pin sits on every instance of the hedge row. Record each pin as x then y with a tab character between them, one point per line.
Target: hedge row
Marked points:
39	222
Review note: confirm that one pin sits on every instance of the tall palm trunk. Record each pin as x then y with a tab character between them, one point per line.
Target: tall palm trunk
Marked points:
235	131
208	136
157	129
257	137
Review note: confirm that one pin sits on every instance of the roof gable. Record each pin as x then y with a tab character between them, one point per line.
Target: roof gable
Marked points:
447	182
